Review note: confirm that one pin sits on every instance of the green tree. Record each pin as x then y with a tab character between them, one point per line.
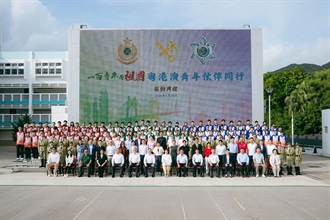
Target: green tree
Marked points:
22	120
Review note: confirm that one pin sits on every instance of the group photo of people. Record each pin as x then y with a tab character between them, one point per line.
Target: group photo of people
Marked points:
143	148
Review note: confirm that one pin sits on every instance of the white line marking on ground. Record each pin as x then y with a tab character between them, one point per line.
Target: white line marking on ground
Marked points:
216	204
293	204
183	211
89	204
238	203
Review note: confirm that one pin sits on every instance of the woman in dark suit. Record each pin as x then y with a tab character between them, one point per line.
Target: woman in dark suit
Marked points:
101	161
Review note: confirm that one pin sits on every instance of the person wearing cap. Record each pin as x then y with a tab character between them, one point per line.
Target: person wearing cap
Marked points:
275	162
53	160
298	158
259	160
42	148
289	151
182	161
60	150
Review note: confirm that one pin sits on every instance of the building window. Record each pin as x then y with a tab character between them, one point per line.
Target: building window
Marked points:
51	69
13	69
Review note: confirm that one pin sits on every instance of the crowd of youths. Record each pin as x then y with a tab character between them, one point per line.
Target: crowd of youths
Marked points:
143	147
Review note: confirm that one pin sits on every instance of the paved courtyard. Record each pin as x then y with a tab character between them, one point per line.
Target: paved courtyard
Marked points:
33	195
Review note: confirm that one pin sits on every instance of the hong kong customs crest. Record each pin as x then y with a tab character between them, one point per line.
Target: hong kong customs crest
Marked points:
127	52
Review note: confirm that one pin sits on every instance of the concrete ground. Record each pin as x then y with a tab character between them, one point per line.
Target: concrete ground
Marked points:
27	195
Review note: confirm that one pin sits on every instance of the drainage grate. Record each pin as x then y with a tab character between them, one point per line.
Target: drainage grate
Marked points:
314	166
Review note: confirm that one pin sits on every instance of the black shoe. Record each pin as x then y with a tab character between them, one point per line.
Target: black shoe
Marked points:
80	176
121	176
211	176
89	176
113	176
130	176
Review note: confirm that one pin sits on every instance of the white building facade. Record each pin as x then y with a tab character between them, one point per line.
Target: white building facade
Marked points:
30	83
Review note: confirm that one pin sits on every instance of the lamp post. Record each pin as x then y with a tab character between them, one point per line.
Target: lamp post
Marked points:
269	91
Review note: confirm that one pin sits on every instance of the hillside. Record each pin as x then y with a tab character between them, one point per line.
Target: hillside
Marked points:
310	68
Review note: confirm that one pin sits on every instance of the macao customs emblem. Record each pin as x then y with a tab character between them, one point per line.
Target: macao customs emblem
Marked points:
203	51
127	52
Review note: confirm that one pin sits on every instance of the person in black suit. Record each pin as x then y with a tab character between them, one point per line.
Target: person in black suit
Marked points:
162	141
91	148
227	162
197	146
101	161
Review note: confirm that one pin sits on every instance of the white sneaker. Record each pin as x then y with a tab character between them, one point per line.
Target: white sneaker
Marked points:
263	175
17	159
257	175
55	175
49	175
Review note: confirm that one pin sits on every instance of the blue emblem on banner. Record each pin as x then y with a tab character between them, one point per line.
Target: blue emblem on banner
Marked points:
203	50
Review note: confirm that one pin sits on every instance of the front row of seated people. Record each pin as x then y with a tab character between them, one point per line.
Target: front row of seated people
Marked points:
149	162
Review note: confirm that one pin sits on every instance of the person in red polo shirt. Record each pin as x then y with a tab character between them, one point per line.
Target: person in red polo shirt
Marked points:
207	152
27	146
20	144
242	144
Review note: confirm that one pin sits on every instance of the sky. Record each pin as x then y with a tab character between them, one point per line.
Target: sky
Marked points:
294	31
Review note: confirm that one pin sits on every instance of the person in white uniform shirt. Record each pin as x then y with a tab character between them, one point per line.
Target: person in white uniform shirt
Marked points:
197	161
275	162
259	160
143	150
110	151
213	160
118	161
270	147
149	162
182	161
166	163
251	151
53	160
220	151
134	161
69	163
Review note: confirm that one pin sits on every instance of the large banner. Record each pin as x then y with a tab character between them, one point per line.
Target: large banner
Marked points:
170	75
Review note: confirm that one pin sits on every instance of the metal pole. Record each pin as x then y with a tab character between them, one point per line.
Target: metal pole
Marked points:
269	111
292	131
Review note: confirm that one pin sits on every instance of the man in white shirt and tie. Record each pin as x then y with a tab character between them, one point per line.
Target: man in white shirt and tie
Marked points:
197	161
117	161
134	161
182	161
213	160
143	150
149	162
53	160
